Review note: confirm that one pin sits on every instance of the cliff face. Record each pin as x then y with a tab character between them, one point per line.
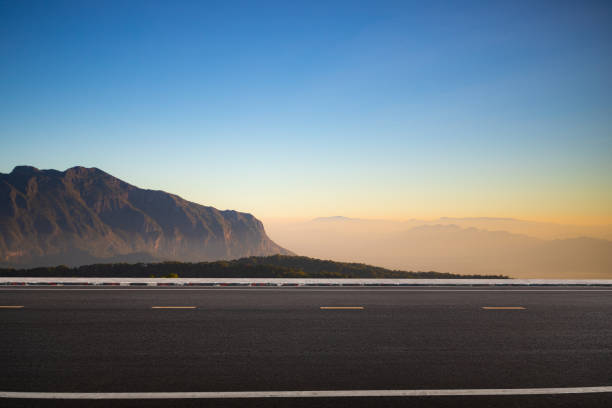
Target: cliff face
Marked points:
84	215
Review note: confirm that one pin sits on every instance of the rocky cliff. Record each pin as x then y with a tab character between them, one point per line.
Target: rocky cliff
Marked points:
84	215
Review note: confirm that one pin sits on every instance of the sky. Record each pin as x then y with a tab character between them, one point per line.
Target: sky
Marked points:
373	109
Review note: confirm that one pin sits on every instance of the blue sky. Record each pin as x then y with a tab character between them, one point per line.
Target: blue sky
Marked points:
290	109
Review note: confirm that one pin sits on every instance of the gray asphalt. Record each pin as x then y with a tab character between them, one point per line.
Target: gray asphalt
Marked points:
111	340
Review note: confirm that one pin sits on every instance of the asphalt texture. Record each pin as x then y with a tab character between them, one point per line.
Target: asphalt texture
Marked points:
266	339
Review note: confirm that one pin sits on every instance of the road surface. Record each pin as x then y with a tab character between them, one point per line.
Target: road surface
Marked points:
181	340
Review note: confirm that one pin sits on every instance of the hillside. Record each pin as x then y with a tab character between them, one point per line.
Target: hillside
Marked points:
276	266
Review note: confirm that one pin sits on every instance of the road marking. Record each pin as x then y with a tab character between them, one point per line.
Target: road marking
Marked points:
11	307
342	308
504	308
173	307
303	394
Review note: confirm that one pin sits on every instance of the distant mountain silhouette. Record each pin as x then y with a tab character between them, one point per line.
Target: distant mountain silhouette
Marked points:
457	249
463	247
536	229
451	219
335	218
84	215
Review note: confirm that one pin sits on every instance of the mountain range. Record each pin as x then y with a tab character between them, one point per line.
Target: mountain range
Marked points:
485	246
84	215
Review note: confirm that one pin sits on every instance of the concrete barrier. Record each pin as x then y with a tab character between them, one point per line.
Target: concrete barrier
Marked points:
279	282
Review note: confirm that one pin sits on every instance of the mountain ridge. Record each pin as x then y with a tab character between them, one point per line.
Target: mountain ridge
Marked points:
84	215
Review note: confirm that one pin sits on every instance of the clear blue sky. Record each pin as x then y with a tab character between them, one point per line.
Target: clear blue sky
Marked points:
306	108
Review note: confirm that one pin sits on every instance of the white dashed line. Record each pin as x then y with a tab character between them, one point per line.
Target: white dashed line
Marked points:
303	394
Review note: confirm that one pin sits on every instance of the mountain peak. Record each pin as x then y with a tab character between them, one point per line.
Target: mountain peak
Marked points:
84	171
24	170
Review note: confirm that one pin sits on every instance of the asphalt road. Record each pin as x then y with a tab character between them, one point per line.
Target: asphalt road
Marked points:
263	339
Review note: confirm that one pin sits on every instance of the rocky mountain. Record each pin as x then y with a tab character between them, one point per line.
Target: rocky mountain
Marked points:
84	215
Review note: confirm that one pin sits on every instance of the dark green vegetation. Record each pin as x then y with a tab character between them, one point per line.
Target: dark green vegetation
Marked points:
276	266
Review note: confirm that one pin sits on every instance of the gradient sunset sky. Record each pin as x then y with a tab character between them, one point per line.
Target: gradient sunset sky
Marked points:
308	108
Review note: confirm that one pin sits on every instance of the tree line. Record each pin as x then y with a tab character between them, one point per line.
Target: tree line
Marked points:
276	266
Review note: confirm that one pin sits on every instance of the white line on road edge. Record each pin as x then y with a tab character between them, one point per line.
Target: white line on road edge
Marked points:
302	394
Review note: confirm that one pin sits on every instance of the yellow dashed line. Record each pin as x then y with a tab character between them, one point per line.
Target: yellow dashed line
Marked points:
342	308
504	308
173	307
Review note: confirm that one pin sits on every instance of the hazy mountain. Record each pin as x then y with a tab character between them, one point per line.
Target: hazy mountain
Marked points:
455	249
544	230
84	215
335	218
425	245
536	229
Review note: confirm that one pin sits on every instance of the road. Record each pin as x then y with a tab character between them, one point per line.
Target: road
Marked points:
104	340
